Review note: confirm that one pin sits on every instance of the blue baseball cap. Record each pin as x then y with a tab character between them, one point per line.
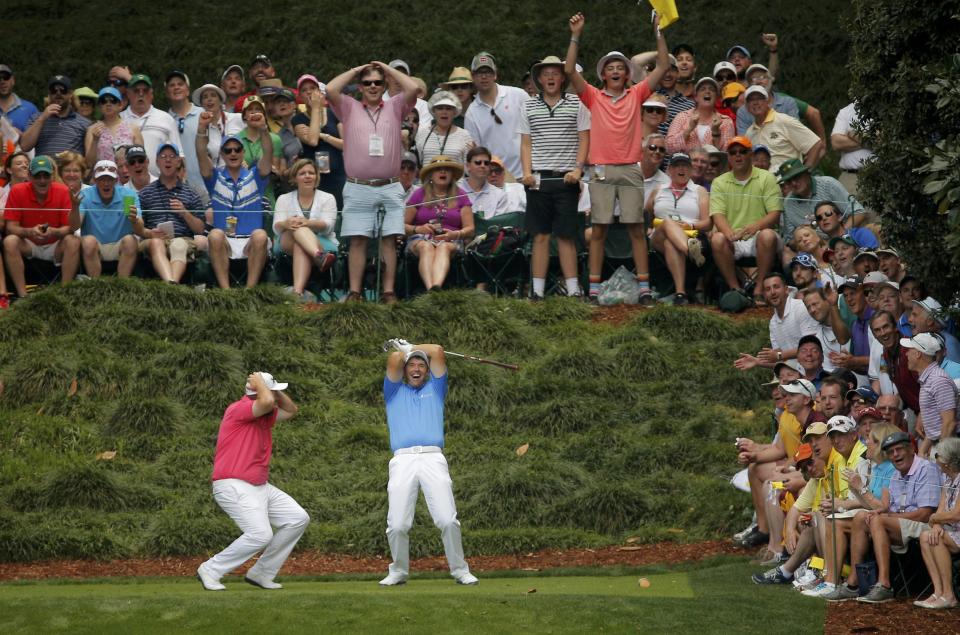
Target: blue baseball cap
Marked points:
172	146
863	391
109	90
805	259
737	47
230	138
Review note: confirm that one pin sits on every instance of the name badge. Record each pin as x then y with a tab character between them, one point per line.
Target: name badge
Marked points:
376	145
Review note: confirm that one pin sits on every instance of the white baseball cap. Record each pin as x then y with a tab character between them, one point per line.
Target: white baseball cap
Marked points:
841	424
270	382
800	387
724	66
755	90
105	168
926	343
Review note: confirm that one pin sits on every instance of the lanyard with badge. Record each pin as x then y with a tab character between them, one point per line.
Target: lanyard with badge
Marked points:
376	141
443	145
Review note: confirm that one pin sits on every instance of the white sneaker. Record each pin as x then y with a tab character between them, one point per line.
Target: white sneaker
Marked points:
740	534
393	579
261	581
820	590
468	579
208	580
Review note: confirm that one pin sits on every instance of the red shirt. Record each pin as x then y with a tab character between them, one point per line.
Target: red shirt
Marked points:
906	382
244	444
23	207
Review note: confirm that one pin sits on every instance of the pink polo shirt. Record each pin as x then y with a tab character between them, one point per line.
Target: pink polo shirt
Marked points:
359	123
244	444
616	133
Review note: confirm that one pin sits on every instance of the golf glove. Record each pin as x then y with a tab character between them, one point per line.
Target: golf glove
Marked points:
402	345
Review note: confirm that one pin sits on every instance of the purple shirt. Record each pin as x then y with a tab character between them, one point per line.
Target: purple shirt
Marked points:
860	334
359	125
938	394
447	212
919	488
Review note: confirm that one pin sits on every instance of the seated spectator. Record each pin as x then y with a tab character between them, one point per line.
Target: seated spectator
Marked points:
938	394
236	198
37	219
868	489
890	264
702	124
71	170
58	127
844	249
104	218
172	214
487	200
515	192
806	192
409	174
303	223
699	163
320	131
442	136
914	495
786	137
928	316
830	222
683	212
857	357
212	99
16	169
761	156
104	137
867	420
941	541
861	399
805	239
438	218
745	207
137	165
717	164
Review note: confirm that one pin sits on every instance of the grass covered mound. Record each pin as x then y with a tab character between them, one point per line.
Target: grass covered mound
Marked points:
629	427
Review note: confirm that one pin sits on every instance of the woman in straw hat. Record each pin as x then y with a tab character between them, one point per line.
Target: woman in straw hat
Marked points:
460	83
443	137
439	217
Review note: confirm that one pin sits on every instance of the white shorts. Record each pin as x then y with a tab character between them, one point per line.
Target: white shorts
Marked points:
909	530
239	245
43	252
748	248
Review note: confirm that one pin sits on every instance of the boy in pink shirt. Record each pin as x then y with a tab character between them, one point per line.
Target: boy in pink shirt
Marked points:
616	146
241	467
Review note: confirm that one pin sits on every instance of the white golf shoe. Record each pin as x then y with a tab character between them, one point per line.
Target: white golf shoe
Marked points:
468	579
209	581
261	581
393	579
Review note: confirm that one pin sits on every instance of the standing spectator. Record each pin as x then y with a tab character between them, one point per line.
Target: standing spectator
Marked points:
211	98
788	324
845	139
686	68
890	264
409	174
169	201
16	169
758	75
72	170
441	136
554	138
493	116
845	249
927	316
157	127
285	103
372	152
786	137
938	394
395	88
310	240
85	102
895	361
186	114
703	124
104	137
616	147
810	358
460	83
677	101
58	127
234	85
236	198
654	115
255	139
319	130
37	218
858	357
804	194
682	208
942	540
241	467
487	199
731	98
104	218
745	207
17	110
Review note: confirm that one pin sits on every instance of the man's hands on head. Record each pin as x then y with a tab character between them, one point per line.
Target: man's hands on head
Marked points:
402	345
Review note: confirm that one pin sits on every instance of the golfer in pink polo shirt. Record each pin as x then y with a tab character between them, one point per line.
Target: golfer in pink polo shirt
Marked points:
616	147
270	519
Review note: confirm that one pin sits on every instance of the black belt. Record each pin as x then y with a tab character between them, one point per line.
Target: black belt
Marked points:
850	171
373	182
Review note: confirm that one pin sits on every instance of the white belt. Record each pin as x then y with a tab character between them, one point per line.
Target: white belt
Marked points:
418	449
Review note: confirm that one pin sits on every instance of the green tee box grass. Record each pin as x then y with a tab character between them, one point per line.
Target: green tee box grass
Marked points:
708	598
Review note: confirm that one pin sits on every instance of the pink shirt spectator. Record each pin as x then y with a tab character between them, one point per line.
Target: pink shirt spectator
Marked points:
122	135
701	136
359	124
244	444
616	136
447	212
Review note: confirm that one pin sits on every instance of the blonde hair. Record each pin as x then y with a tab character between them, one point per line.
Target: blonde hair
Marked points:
878	432
809	228
69	157
299	165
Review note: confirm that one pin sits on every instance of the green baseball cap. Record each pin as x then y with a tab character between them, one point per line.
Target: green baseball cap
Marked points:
140	77
846	238
790	170
40	164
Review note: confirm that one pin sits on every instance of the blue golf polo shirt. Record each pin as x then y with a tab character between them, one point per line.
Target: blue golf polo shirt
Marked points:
106	221
415	415
242	198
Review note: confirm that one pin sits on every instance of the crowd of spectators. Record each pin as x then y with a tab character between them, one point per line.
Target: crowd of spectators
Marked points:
704	168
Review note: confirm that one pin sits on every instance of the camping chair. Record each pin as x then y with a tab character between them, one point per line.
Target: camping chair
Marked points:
504	273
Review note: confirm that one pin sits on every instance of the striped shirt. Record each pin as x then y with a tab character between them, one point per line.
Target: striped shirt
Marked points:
938	394
553	131
155	206
243	195
676	104
61	133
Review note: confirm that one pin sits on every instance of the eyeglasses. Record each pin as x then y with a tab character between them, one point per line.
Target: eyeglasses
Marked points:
480	162
88	100
887	408
136	160
5	77
826	214
372	82
739	153
483	71
462	87
110	100
496	117
653	110
169	156
58	90
232	150
757	78
41	176
655	148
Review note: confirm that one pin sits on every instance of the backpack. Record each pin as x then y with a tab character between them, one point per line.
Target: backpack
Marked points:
498	240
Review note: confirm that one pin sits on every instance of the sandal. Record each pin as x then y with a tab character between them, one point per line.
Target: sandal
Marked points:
388	297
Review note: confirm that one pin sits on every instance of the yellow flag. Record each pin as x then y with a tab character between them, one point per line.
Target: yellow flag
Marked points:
667	9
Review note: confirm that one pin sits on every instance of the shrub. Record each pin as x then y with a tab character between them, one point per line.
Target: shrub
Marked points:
143	426
604	507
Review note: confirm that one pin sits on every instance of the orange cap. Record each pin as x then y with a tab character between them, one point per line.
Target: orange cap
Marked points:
804	453
741	140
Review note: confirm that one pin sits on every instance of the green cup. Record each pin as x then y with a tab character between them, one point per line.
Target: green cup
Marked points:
128	202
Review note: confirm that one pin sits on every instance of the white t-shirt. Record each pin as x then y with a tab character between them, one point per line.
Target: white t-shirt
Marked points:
324	208
844	124
502	139
667	204
785	332
830	345
157	128
516	197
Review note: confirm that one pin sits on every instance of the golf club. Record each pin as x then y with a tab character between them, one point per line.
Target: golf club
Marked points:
514	367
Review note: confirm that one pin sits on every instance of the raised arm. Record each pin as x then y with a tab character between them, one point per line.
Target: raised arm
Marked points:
337	84
663	57
266	401
570	64
200	145
407	85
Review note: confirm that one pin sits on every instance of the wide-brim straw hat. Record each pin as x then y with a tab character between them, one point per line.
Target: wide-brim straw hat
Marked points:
459	75
441	161
198	93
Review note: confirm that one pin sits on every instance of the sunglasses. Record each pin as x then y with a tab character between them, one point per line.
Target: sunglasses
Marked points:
739	153
826	214
462	87
232	150
726	77
480	162
88	100
59	90
372	82
656	148
136	160
5	77
496	117
118	83
653	110
496	170
715	164
180	123
110	100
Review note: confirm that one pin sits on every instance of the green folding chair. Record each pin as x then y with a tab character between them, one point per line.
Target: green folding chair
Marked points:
504	273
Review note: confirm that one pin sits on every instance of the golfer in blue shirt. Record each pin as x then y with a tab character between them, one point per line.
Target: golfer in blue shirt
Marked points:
414	390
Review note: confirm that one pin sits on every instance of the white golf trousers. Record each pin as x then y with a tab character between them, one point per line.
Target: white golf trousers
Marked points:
408	474
255	508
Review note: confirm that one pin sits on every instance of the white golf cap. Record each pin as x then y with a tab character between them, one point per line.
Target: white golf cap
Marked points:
720	66
756	90
841	424
800	387
874	277
754	68
445	98
932	307
105	168
400	65
654	103
270	382
926	343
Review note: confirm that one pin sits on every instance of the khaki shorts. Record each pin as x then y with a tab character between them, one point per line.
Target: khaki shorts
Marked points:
43	252
623	183
909	530
180	249
110	252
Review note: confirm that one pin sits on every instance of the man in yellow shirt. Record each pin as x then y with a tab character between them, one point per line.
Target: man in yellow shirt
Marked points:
785	136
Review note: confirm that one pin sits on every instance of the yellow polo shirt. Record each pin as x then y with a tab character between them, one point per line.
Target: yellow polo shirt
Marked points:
786	137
